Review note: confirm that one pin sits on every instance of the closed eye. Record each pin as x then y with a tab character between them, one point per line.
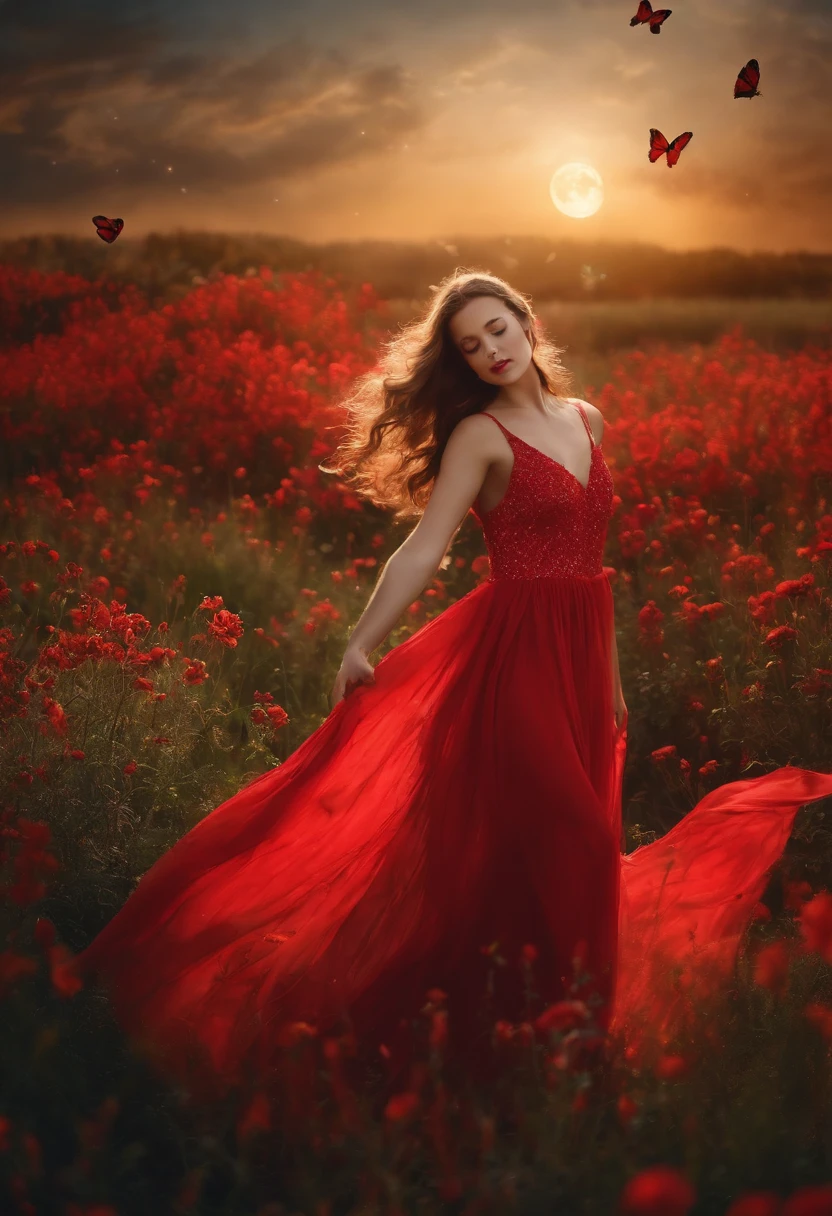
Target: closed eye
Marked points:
470	350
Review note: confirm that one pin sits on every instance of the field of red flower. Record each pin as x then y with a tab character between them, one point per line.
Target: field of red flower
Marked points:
177	578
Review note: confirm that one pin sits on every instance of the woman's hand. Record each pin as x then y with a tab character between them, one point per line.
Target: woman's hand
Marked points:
619	709
355	669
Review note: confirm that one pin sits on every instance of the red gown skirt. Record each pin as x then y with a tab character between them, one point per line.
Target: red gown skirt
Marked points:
471	794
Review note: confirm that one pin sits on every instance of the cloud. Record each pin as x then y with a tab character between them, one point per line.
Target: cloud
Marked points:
105	89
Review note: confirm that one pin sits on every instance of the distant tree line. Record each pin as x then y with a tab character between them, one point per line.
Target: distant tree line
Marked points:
167	263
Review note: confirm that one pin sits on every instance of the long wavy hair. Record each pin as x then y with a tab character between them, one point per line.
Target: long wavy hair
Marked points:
402	412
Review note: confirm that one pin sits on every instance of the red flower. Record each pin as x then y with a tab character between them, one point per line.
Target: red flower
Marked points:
256	1117
771	966
195	673
658	1190
562	1016
713	669
820	1016
795	586
277	716
226	627
756	1203
669	1067
762	607
44	932
810	1201
775	639
401	1106
64	977
55	713
13	966
816	925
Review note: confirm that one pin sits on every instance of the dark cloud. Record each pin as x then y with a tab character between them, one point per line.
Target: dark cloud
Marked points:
221	121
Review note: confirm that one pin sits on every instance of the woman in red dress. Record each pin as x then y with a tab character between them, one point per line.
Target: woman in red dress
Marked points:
467	790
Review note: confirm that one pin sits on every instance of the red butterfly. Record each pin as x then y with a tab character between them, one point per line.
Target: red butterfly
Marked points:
645	13
108	230
747	81
659	145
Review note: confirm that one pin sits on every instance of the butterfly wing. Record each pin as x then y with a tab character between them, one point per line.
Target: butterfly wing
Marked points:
675	148
106	228
660	15
644	13
658	145
747	80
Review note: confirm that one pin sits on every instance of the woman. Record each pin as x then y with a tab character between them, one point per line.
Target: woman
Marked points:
467	790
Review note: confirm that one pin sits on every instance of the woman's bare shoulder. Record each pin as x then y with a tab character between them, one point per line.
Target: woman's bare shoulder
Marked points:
479	429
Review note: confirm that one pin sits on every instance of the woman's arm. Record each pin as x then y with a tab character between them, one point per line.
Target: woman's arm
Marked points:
403	579
462	471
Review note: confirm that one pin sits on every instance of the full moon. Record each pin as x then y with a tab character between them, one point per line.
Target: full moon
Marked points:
577	190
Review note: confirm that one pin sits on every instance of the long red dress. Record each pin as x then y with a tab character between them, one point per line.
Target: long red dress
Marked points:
473	792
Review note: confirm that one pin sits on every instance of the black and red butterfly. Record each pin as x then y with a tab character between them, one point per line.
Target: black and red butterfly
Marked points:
659	145
645	13
747	81
108	230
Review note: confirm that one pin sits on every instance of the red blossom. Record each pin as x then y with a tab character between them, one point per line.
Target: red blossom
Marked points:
771	966
226	627
65	979
658	1190
277	716
816	925
210	603
714	671
401	1106
809	1201
562	1016
775	639
819	1016
196	671
649	624
14	967
44	932
55	713
795	587
756	1203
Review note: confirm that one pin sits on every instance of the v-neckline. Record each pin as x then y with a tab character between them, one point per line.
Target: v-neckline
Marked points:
558	463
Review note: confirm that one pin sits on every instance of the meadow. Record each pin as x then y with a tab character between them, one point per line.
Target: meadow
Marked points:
177	584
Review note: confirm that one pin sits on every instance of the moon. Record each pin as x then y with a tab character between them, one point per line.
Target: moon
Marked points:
577	190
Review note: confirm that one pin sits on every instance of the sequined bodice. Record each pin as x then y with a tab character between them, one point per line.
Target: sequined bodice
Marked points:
547	523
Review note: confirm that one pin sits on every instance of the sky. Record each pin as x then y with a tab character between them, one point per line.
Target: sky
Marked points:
329	121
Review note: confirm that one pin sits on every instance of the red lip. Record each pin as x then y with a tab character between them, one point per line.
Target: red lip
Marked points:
498	367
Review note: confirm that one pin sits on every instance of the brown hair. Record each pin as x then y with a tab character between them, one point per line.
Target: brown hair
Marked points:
402	412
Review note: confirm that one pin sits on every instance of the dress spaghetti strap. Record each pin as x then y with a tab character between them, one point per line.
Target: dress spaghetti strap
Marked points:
586	423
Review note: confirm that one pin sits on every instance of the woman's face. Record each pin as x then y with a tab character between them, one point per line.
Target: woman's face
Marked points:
486	333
